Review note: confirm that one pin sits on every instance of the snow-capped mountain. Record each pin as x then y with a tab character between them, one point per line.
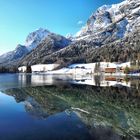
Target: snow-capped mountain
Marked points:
18	53
34	38
117	20
51	44
5	57
111	34
32	41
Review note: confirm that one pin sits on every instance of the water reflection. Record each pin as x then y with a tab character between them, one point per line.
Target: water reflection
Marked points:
17	124
101	80
69	107
112	108
24	80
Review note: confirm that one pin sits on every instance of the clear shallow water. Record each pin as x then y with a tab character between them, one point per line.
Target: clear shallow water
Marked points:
40	107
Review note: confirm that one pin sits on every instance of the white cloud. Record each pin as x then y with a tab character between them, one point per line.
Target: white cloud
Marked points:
80	22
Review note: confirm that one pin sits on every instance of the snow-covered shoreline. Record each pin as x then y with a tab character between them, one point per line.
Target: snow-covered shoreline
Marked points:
99	68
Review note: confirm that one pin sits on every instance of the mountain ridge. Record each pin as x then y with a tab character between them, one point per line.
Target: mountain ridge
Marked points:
117	41
111	34
32	41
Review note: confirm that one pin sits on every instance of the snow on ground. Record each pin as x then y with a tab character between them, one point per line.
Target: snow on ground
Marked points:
76	69
22	69
43	67
127	64
87	65
79	69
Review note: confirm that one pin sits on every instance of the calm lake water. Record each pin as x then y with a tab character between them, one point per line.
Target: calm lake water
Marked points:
58	107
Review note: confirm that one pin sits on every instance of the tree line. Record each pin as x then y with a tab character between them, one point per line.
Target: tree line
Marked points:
4	69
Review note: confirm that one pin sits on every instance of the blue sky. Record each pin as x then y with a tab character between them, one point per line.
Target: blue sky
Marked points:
19	17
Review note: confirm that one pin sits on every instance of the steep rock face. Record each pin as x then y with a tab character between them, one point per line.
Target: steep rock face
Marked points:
111	23
111	34
34	38
83	51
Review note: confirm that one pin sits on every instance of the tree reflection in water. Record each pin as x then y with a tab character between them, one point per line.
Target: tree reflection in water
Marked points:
104	110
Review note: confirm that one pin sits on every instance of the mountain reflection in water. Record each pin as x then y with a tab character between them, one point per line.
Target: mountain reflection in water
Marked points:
65	109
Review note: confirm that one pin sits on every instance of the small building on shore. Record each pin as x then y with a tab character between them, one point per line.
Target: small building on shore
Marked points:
109	67
110	70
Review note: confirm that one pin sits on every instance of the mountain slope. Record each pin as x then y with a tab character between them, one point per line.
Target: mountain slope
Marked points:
34	38
32	41
111	34
48	46
114	21
18	53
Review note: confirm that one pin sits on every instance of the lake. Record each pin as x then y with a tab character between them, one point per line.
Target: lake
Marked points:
72	107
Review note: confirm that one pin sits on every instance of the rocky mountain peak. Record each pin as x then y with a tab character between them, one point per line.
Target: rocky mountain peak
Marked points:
117	18
111	33
34	38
